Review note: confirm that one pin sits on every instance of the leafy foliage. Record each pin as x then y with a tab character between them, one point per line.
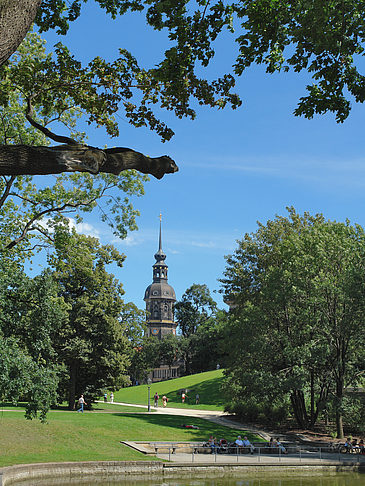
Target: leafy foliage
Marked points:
297	291
30	208
30	314
91	344
325	39
200	323
195	307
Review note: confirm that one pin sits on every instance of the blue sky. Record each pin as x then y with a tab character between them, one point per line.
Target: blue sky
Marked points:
236	167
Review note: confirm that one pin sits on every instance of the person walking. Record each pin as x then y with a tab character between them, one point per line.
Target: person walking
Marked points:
156	397
81	402
197	399
164	401
111	397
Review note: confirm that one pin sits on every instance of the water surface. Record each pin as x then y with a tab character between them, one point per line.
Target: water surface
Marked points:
317	479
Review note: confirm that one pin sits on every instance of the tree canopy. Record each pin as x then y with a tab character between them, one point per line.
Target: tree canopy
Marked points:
326	39
296	288
91	344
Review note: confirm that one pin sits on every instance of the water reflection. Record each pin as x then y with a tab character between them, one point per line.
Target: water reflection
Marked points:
346	479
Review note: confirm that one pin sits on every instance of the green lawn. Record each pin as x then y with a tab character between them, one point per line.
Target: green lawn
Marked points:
207	384
71	436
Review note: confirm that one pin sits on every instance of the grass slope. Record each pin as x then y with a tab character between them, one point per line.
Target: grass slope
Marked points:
207	384
94	436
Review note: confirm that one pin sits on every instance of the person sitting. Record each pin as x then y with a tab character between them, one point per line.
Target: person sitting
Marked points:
247	443
271	443
355	446
348	445
223	446
239	444
362	446
212	443
280	445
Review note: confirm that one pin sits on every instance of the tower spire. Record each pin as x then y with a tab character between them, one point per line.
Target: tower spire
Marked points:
160	240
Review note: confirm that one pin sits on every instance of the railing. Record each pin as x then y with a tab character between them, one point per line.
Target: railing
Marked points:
261	454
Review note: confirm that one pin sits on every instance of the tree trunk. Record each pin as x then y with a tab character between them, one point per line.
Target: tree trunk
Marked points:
339	419
72	385
299	408
312	397
16	17
339	425
28	160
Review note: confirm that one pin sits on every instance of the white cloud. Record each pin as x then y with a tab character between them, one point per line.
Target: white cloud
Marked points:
83	228
319	170
130	240
204	244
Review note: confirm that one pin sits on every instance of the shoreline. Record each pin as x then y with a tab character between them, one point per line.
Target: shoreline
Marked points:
79	472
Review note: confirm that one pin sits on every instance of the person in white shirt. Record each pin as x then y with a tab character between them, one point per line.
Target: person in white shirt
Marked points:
239	444
81	404
247	443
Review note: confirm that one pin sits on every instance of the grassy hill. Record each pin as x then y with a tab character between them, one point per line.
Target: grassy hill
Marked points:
207	384
96	435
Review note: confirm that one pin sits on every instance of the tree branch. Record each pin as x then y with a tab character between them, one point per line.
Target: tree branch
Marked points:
28	226
44	130
5	194
28	160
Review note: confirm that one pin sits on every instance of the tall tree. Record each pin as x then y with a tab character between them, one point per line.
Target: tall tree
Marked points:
91	344
194	308
30	313
298	291
195	315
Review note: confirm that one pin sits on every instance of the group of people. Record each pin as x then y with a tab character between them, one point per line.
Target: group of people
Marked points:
222	445
164	399
111	397
276	443
185	397
156	398
354	446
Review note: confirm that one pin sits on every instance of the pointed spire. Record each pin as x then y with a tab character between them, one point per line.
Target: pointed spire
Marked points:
160	240
160	255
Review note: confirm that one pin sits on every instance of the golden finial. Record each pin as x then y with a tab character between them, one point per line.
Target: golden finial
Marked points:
160	217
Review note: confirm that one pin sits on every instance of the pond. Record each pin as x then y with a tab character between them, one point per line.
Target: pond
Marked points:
318	479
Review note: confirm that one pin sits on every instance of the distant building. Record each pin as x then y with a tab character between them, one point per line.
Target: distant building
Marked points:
160	299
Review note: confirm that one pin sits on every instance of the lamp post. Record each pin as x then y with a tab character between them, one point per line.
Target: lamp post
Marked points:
149	381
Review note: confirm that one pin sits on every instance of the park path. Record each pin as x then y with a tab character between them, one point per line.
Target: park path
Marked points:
216	416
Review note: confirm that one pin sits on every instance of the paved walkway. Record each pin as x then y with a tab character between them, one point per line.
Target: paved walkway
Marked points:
303	459
215	416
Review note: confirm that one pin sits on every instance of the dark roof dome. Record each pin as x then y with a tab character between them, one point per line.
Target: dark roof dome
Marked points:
158	290
160	257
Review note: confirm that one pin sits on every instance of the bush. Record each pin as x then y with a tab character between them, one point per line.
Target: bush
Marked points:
354	415
265	413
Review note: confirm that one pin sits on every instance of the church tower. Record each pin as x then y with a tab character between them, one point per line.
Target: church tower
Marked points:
160	298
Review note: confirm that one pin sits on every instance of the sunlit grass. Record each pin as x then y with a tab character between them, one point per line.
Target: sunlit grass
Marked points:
207	385
94	436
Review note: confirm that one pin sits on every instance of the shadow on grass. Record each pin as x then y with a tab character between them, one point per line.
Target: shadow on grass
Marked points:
176	422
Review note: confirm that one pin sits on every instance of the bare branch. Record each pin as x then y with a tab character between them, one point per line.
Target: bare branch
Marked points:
8	184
